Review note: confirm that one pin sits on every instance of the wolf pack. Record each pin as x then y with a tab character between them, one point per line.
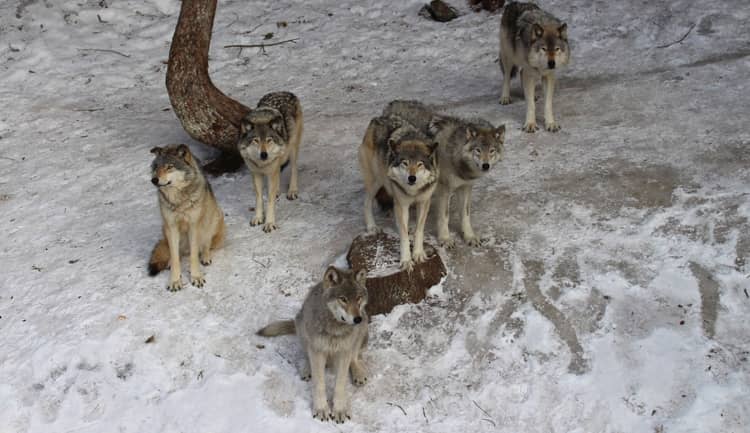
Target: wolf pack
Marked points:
410	153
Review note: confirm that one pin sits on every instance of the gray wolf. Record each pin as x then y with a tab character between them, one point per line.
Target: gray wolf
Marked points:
537	43
193	223
466	150
270	136
401	160
332	326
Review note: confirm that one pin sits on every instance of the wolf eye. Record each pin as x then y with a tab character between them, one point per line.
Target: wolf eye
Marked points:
342	299
544	49
404	163
477	151
169	166
492	151
557	49
254	141
420	164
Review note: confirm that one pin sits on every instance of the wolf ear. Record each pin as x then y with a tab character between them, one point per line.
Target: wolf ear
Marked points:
536	31
563	31
435	125
184	152
277	125
432	145
245	126
361	277
332	277
500	133
157	150
393	145
470	133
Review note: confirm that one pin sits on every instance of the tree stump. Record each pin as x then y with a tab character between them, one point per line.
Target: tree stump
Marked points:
387	284
206	114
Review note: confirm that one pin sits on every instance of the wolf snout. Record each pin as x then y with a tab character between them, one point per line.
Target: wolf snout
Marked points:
485	166
155	180
358	319
551	64
264	155
412	179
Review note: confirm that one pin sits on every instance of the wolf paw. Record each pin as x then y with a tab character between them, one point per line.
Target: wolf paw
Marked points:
505	100
374	230
174	286
340	415
447	243
257	220
291	194
206	261
197	280
359	376
305	373
530	127
552	126
407	266
473	241
419	256
322	413
269	227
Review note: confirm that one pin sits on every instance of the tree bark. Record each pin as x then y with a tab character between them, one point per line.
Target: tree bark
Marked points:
206	114
387	284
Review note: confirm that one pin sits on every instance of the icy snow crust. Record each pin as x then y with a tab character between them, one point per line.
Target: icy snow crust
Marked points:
610	297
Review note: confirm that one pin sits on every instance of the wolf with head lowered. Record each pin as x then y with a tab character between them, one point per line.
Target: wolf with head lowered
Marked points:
193	221
270	136
537	43
402	161
332	326
466	151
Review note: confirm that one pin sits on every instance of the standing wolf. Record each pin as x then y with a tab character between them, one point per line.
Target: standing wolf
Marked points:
400	159
188	208
537	43
332	325
467	149
270	136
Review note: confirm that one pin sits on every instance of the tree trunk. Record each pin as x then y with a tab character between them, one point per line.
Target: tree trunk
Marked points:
208	115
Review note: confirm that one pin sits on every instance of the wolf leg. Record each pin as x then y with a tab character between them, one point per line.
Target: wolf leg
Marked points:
549	116
258	183
273	191
507	67
423	209
443	210
529	86
341	411
321	410
470	237
292	192
196	277
357	367
401	212
173	239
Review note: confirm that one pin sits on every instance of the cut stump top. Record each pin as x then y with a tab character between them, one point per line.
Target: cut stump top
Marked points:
387	284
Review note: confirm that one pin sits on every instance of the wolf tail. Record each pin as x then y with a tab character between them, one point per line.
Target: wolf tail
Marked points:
385	201
282	327
159	258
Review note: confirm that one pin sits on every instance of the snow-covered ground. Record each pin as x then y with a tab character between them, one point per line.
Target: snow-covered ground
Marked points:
612	295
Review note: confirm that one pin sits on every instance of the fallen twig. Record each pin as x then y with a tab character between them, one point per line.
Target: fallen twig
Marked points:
262	46
395	405
15	160
680	40
89	110
104	51
100	19
490	421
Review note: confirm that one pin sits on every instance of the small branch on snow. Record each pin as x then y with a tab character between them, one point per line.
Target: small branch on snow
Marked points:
395	405
104	51
680	40
262	46
484	412
15	160
98	17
